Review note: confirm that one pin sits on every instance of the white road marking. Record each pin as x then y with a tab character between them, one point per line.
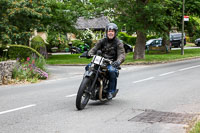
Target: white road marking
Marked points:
164	74
167	73
187	68
143	80
53	80
72	95
20	108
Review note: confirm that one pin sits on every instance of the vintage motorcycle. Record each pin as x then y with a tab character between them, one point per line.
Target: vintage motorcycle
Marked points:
95	82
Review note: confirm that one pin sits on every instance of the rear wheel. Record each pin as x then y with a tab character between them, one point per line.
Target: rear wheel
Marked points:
83	95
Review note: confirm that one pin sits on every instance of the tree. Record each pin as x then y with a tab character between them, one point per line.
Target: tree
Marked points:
193	26
19	18
64	15
171	16
192	7
145	17
138	16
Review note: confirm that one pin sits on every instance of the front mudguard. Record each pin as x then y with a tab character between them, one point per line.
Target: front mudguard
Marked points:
88	74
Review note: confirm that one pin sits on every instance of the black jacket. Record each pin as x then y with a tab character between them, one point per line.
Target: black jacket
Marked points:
111	49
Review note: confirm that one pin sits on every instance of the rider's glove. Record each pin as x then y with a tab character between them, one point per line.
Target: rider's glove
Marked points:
88	55
116	64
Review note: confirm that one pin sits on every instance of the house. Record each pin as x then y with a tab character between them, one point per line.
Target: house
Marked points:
97	25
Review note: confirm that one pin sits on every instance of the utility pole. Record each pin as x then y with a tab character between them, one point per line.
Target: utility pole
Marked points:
182	44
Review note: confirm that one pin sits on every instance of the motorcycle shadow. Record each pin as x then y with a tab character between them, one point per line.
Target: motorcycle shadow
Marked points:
98	103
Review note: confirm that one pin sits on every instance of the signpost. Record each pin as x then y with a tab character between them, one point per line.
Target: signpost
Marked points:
183	19
186	18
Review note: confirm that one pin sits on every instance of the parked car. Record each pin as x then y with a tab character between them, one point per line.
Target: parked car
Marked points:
197	42
154	43
128	48
176	39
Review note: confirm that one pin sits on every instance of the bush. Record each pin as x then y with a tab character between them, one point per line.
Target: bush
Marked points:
3	53
77	43
56	40
123	36
193	28
131	39
86	36
192	39
88	41
1	50
21	52
31	70
38	44
127	38
187	39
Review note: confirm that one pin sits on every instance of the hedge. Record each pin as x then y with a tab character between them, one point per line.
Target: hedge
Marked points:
131	39
22	52
37	42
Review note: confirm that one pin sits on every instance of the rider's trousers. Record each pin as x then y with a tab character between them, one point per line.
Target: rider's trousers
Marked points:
113	74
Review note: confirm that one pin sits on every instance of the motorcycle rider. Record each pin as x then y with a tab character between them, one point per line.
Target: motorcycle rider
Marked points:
111	48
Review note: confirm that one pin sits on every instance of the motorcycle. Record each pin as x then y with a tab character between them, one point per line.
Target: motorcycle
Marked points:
84	47
74	49
94	85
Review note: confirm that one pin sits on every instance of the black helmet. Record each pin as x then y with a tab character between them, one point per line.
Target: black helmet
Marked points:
112	26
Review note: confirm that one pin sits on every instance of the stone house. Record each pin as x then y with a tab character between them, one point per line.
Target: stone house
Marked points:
97	25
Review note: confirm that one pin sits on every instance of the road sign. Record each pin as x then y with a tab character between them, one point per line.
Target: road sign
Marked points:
186	18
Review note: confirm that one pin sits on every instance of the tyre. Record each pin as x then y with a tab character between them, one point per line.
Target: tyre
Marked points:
83	95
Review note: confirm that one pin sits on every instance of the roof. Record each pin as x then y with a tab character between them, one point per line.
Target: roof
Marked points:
93	23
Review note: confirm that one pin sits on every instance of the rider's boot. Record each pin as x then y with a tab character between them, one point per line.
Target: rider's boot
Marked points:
109	96
115	92
112	94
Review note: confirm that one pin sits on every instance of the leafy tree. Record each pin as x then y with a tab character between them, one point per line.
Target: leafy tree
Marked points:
146	17
192	7
193	11
193	28
138	16
19	18
171	16
63	15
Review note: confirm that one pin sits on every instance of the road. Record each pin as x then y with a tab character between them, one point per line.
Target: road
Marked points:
159	98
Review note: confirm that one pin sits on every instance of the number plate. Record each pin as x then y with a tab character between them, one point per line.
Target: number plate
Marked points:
97	60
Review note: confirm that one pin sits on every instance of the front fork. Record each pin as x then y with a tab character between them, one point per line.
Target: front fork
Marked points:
93	75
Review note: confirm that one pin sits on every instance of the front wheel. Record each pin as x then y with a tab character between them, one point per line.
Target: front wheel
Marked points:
83	95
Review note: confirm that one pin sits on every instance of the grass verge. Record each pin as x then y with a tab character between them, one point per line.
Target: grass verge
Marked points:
151	58
158	57
196	128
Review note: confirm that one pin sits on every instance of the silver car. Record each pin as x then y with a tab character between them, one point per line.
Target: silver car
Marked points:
197	42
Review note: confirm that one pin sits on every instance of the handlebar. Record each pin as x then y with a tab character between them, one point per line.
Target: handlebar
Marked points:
83	56
90	56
